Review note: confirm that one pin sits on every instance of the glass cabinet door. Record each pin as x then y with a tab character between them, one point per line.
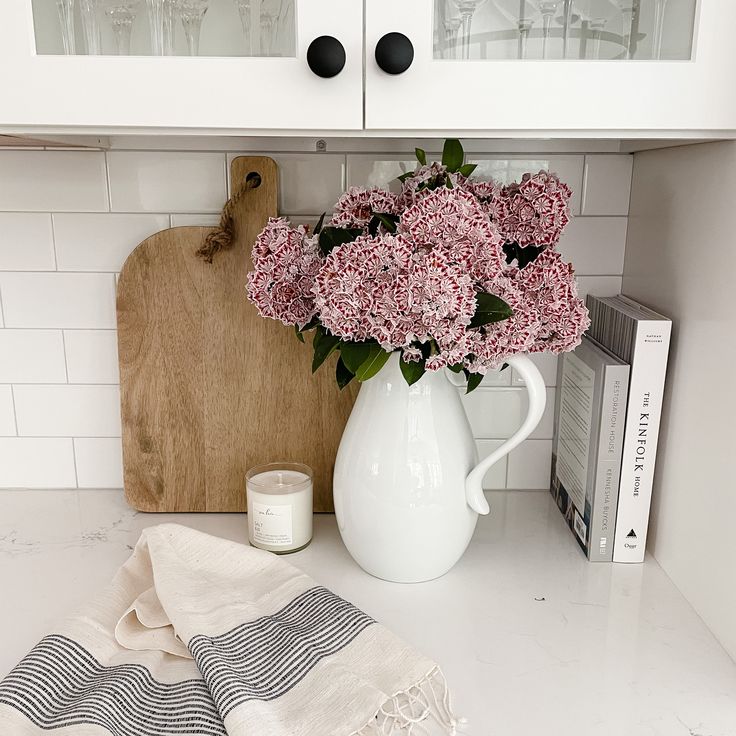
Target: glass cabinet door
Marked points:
563	29
212	66
613	68
166	27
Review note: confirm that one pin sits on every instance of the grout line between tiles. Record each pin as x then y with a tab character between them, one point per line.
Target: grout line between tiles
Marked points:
74	461
107	183
66	366
15	412
53	242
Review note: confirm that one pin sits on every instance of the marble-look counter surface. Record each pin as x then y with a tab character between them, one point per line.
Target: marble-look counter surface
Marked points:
533	638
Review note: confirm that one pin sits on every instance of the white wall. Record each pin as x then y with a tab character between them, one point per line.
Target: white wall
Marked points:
68	219
681	260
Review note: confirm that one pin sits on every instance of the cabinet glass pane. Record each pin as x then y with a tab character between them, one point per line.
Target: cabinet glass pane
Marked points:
563	29
166	27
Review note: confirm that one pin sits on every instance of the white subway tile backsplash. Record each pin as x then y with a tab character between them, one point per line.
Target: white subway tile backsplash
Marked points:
94	242
507	169
309	183
607	184
495	478
202	220
7	412
37	463
92	356
74	300
547	364
99	462
58	348
377	170
166	182
67	411
595	245
529	465
497	413
32	356
26	241
53	181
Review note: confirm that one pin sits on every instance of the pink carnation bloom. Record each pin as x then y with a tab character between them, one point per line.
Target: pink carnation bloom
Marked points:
534	212
285	264
358	205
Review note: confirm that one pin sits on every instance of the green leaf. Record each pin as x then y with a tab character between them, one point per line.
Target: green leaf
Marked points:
331	237
522	256
403	177
489	308
467	169
324	344
387	220
343	374
354	354
412	371
457	368
421	156
474	380
505	366
376	359
320	222
298	333
453	154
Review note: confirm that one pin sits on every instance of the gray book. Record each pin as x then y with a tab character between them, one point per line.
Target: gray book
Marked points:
590	409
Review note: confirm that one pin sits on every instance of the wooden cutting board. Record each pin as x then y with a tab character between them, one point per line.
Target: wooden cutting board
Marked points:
209	388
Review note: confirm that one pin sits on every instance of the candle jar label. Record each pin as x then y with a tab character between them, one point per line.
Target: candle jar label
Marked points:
272	524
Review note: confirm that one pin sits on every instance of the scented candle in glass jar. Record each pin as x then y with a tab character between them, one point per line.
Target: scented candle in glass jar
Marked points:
279	498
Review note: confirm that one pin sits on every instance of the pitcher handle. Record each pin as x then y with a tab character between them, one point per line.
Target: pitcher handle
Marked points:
537	399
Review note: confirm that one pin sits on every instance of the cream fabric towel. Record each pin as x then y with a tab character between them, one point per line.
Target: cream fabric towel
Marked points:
199	635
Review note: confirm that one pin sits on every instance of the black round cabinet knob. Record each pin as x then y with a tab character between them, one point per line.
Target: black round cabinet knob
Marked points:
394	53
326	56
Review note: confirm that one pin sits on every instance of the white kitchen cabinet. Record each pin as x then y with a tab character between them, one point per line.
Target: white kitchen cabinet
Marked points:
666	78
218	90
521	68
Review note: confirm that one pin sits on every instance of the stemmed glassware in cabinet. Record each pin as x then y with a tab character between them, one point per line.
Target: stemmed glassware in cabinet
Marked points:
547	8
121	15
192	14
161	19
467	9
525	25
660	6
244	10
597	26
629	12
65	9
270	17
88	10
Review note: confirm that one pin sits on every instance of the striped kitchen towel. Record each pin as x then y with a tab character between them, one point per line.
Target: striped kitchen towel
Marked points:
199	635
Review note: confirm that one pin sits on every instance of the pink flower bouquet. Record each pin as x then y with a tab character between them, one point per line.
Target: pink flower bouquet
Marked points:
450	271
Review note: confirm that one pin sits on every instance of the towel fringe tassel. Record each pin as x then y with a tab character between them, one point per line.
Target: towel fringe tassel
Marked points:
412	711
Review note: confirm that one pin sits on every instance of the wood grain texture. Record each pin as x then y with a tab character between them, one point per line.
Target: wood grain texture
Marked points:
208	387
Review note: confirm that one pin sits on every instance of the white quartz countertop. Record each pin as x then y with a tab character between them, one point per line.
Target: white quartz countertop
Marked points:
532	637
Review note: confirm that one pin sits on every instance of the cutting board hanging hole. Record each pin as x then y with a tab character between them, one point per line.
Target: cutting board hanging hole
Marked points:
253	179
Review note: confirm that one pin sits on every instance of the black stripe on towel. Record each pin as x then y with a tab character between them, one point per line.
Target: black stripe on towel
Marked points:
60	684
266	658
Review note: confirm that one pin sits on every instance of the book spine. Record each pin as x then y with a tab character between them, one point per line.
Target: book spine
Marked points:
608	465
646	389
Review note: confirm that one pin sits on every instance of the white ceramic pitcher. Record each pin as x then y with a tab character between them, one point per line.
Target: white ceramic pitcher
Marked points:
408	484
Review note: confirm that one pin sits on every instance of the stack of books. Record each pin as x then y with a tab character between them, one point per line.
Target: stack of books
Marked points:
607	413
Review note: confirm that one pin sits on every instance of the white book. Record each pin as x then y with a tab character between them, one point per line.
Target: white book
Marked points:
640	337
590	409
